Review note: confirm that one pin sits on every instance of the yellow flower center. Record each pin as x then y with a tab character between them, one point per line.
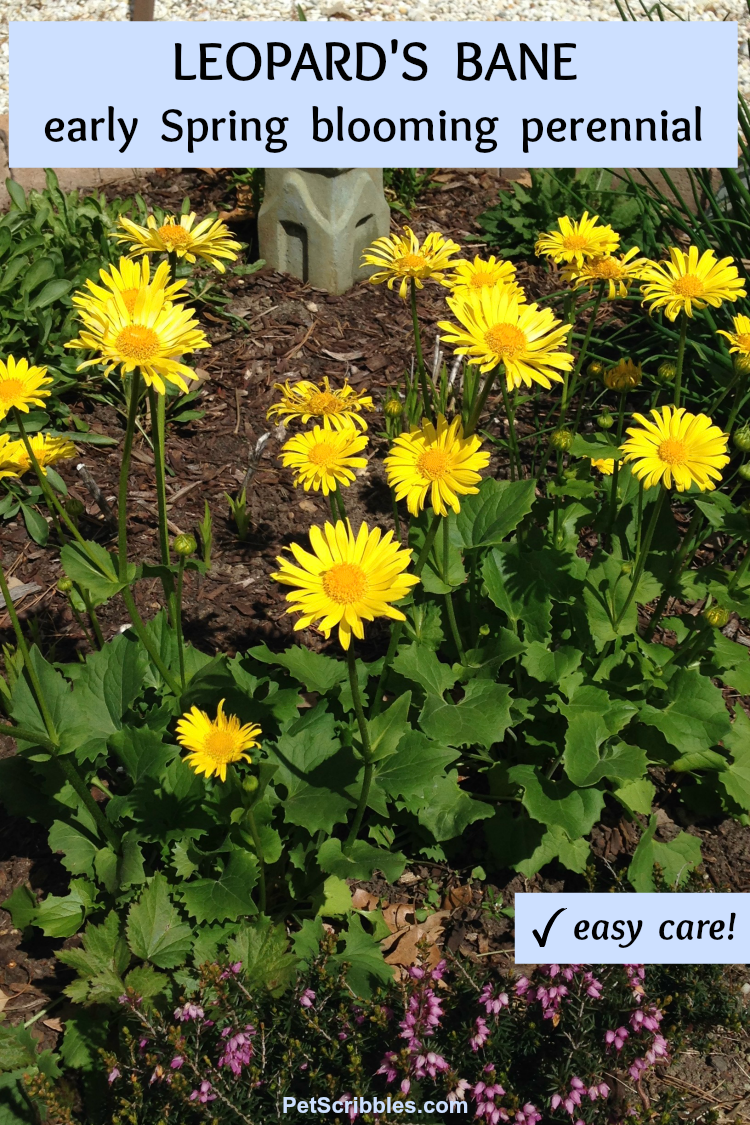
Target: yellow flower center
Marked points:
688	285
138	343
481	280
174	236
505	340
607	269
345	583
220	745
410	262
323	402
672	451
322	453
743	342
433	463
11	390
575	242
129	298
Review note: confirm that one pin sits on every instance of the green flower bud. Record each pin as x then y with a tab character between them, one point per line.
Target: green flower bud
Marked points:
250	784
64	585
74	508
562	439
626	568
666	371
595	369
605	421
745	508
744	471
393	408
717	616
484	630
741	438
742	364
185	546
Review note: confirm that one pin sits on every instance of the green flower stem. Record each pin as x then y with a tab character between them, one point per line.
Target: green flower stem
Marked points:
23	648
643	553
740	572
178	619
478	406
332	502
510	411
27	736
79	621
449	596
250	821
680	359
616	469
570	383
122	496
398	626
158	411
736	402
366	749
673	574
86	598
340	502
54	505
396	518
172	259
53	739
421	369
143	637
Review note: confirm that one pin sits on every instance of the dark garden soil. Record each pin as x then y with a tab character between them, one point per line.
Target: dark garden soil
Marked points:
283	329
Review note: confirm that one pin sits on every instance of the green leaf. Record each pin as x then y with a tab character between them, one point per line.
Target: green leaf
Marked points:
482	716
448	810
595	447
18	1047
99	964
315	770
361	861
558	802
735	779
362	953
78	847
497	509
677	859
85	1036
36	524
521	598
227	897
555	844
62	916
387	728
142	752
484	661
51	292
21	906
694	717
637	796
333	899
94	569
419	664
732	663
551	666
41	270
411	771
593	720
154	929
263	949
317	672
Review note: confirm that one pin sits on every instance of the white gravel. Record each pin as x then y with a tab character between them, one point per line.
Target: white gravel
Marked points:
363	9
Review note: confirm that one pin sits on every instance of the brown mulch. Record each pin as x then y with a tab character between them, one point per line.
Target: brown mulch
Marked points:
294	331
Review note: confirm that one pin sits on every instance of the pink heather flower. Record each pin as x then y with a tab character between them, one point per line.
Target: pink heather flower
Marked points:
188	1012
616	1037
650	1019
430	1063
113	1074
238	1049
306	999
481	1035
577	1084
593	986
439	971
493	1004
459	1094
528	1115
177	1062
203	1094
659	1049
387	1068
637	1068
523	984
405	1086
555	1101
603	1090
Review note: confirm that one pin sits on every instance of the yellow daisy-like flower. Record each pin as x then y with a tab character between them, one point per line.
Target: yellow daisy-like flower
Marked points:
148	338
321	458
605	465
21	386
9	466
210	240
498	328
216	743
403	259
472	277
306	400
676	447
624	376
438	460
46	449
577	240
690	281
346	580
617	272
740	338
127	279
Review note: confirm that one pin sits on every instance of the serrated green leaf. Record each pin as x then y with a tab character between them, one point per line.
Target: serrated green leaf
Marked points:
448	809
735	779
18	1047
558	802
552	666
637	796
387	729
362	953
316	771
481	718
77	846
226	897
410	772
154	930
142	752
21	906
360	861
317	672
677	859
522	600
420	665
693	718
263	949
555	844
62	916
487	518
100	963
94	569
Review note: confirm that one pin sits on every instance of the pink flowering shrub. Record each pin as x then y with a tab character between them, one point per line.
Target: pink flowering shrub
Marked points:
553	1047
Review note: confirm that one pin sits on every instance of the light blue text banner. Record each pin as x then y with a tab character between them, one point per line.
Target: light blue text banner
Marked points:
622	929
361	94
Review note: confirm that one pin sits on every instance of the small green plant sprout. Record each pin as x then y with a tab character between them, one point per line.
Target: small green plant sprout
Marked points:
238	512
205	534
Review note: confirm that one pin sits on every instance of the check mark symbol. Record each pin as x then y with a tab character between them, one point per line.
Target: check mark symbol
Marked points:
542	940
